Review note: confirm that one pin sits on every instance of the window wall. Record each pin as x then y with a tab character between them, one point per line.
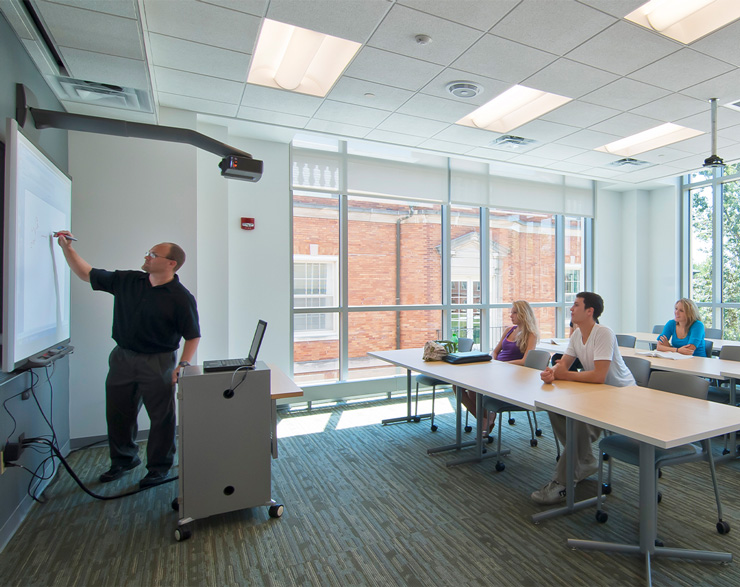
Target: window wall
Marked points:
383	258
712	231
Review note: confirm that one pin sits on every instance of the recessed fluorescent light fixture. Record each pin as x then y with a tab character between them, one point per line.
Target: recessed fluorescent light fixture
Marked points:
685	20
660	136
513	108
299	60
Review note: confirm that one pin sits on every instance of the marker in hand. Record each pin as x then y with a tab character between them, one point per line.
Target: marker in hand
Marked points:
69	238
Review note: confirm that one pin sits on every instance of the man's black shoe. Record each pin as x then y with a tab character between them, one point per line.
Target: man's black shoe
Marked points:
117	471
153	478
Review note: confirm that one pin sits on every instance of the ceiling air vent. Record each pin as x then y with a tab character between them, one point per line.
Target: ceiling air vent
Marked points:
464	89
99	94
511	143
627	162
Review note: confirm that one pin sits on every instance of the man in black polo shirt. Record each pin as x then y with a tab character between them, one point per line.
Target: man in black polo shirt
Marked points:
152	311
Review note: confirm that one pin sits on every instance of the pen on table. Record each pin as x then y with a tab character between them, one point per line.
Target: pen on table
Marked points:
69	238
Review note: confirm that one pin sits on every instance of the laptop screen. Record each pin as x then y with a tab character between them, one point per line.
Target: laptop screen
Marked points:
257	341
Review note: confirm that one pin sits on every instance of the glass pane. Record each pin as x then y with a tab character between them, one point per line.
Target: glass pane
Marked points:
522	257
466	324
701	244
373	331
731	323
465	250
699	175
731	242
501	322
394	252
574	243
732	168
315	358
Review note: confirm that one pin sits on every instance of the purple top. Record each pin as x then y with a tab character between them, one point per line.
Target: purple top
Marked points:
509	350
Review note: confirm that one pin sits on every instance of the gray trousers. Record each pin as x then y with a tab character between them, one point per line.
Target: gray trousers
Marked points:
135	379
585	436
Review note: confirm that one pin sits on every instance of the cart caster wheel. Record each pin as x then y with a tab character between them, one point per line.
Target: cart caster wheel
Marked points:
512	421
601	516
606	457
723	527
660	496
500	466
726	451
468	428
532	442
606	489
659	543
538	432
176	504
489	439
417	419
182	533
433	427
276	511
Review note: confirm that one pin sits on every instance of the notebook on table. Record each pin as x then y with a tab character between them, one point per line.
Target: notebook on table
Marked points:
234	364
468	357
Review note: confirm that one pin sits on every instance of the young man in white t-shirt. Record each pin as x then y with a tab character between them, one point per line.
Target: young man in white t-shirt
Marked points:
596	347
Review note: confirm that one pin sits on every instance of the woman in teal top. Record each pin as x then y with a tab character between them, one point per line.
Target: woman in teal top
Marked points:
685	334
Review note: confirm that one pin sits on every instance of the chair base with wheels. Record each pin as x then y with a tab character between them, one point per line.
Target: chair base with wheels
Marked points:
428	382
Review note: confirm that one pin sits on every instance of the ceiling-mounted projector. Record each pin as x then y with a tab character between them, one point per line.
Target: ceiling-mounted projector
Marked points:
239	167
714	160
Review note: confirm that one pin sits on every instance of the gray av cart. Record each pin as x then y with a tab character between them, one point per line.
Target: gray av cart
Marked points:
225	443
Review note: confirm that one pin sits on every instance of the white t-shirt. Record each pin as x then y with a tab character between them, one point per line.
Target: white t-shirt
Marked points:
601	346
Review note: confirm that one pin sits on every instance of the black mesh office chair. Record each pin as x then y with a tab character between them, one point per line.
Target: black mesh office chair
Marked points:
626	449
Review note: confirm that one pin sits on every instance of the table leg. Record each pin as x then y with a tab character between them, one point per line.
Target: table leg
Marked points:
409	417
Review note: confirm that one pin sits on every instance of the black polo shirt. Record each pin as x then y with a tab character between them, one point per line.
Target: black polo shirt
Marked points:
148	319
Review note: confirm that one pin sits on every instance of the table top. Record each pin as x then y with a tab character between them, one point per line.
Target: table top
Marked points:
510	383
653	337
282	386
657	417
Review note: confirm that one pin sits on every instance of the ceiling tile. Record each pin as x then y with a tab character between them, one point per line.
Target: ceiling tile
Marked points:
198	86
351	90
594	158
542	25
624	94
93	31
350	114
198	58
104	112
726	117
465	135
513	62
125	8
412	125
671	108
680	70
354	21
479	15
567	167
279	100
436	108
255	7
270	117
542	130
107	69
196	104
337	128
637	48
722	44
725	88
396	138
399	28
618	8
494	154
587	139
445	146
581	114
203	23
569	78
531	160
556	152
383	67
662	155
626	124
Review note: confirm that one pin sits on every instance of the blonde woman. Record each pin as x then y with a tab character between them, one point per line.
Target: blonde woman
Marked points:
685	333
513	347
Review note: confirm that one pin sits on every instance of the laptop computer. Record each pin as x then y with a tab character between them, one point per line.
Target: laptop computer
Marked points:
234	364
467	357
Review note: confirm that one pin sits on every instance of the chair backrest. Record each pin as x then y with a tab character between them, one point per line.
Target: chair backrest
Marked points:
640	369
680	383
708	347
730	352
464	344
657	329
538	359
713	332
626	340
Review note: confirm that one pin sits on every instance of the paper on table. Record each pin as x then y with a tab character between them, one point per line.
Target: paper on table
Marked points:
559	340
664	355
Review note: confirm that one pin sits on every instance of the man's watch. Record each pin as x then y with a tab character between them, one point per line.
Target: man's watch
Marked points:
184	364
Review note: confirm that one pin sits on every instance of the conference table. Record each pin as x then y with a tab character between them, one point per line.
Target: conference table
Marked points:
651	337
663	420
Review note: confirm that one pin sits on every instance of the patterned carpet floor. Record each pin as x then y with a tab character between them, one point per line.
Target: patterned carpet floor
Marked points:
366	505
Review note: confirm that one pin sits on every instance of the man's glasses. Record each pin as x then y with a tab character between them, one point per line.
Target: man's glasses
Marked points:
154	255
